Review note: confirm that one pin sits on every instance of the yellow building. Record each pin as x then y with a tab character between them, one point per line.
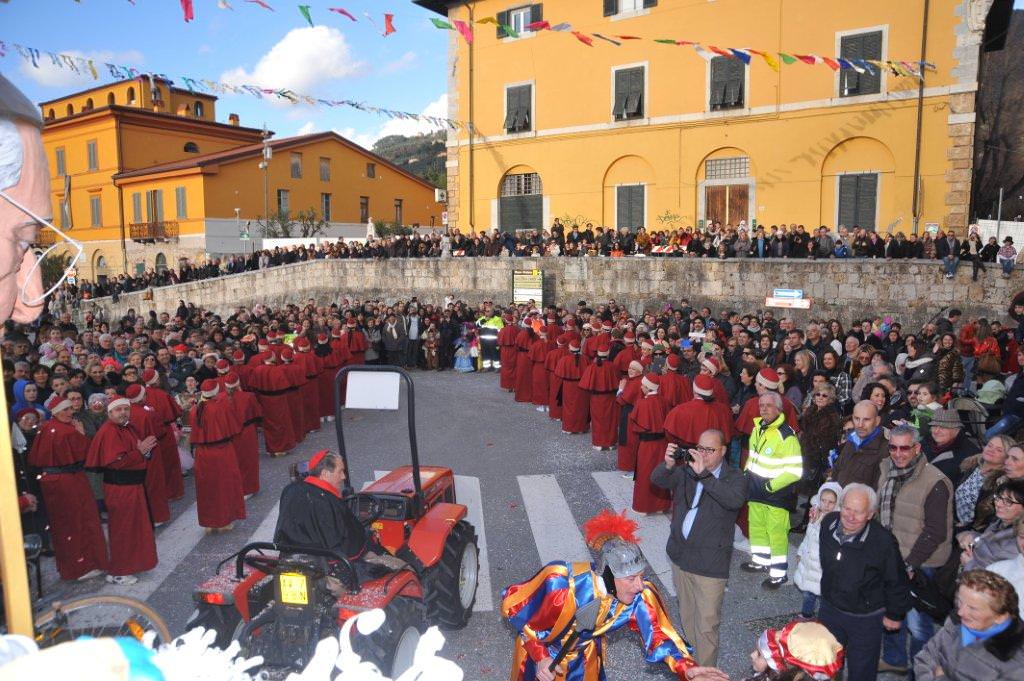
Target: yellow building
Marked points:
653	134
143	174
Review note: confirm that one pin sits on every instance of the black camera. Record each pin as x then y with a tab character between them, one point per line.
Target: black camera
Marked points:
682	454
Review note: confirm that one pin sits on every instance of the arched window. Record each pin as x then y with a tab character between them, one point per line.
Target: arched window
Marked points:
191	148
50	115
157	95
131	96
71	110
161	263
88	105
110	99
197	109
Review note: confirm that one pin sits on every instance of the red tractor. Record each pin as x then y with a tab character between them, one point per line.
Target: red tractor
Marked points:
276	601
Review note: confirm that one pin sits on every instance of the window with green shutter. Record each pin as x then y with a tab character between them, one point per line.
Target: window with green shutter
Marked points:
858	200
629	207
628	101
181	207
612	7
93	155
61	162
857	48
518	18
136	206
518	109
725	89
95	211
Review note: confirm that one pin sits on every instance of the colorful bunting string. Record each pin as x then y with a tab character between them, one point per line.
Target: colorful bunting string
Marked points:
83	65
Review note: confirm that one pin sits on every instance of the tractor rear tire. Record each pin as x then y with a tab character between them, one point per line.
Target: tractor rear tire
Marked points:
449	592
392	646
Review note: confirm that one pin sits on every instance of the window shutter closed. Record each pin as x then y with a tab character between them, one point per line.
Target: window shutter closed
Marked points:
851	47
502	21
650	3
848	200
622	211
536	13
621	92
636	207
611	7
867	191
872	46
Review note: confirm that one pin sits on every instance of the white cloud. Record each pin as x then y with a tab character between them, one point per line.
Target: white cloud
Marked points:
406	61
366	139
50	75
303	61
204	49
307	128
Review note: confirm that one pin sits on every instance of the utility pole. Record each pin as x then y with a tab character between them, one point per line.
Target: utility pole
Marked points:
265	167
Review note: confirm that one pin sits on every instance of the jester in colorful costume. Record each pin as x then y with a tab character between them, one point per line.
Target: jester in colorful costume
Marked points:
543	611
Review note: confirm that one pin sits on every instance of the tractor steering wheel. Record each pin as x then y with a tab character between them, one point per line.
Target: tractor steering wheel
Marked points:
372	514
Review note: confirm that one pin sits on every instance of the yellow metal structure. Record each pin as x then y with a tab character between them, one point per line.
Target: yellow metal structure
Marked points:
17	603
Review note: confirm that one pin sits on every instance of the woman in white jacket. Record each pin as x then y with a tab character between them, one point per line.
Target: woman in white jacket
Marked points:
807	576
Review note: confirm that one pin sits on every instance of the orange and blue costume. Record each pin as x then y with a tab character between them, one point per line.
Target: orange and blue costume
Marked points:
541	611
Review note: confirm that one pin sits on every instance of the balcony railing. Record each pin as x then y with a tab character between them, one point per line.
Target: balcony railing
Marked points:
153	231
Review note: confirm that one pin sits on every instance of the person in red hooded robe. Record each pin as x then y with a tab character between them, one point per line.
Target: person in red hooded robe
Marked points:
262	348
331	362
767	380
58	452
145	421
524	366
240	367
121	453
272	388
342	354
309	393
554	382
628	353
685	422
575	402
712	366
296	380
539	375
647	420
626	397
219	498
247	441
601	382
166	412
509	353
355	342
675	387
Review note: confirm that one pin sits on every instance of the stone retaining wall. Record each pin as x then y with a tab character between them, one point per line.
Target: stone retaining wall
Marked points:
913	291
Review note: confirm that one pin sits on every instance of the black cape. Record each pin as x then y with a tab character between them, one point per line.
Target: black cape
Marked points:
311	516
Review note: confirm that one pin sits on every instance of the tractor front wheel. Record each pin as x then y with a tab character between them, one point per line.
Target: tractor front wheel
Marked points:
449	587
393	646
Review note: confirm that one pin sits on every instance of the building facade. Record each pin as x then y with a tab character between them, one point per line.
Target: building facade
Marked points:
144	175
653	134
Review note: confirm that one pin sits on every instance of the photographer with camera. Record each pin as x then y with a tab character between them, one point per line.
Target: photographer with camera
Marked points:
708	494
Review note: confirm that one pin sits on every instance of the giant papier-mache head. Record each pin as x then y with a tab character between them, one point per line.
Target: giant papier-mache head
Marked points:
613	536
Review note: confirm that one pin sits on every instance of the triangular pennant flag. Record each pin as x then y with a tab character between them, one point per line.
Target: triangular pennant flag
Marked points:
261	4
628	37
389	24
509	31
664	41
187	10
583	39
704	54
613	42
441	23
685	42
740	54
223	4
487	20
831	63
787	58
911	68
343	12
807	59
866	66
768	59
465	31
719	51
564	26
850	64
304	11
538	25
843	64
92	70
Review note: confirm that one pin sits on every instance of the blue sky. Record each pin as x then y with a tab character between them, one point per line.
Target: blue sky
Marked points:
338	59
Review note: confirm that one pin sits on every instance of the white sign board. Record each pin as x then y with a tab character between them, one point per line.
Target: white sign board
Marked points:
789	303
372	390
444	217
787	293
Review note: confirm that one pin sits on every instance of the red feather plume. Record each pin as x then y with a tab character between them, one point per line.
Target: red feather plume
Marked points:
608	525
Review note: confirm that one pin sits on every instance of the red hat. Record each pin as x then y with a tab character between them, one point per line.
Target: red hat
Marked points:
271	336
351	322
238	356
135	393
231	379
672	361
149	377
111	362
629	338
604	346
805	645
25	410
269	357
712	364
57	403
769	378
302	343
636	366
322	338
646	342
651	382
287	354
574	344
607	326
222	366
262	344
181	347
315	460
570	323
115	403
335	333
562	340
703	385
210	388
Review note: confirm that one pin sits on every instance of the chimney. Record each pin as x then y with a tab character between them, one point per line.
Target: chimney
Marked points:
233	119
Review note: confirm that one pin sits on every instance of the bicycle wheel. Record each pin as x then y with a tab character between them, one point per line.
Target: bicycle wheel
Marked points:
99	616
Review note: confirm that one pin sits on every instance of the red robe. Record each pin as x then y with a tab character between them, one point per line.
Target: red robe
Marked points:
575	402
343	356
114	449
539	375
601	381
167	412
309	393
78	542
624	357
247	441
750	411
509	356
719	394
524	366
272	389
626	440
242	371
332	363
647	420
686	422
218	482
554	382
675	389
356	344
296	408
145	421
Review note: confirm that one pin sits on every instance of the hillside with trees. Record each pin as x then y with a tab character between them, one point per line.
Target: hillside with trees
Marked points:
421	155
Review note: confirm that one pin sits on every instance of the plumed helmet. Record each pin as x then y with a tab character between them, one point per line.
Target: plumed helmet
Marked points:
613	535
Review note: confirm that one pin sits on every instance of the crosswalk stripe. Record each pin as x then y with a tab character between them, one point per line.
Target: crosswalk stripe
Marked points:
653	529
467	493
265	532
554	528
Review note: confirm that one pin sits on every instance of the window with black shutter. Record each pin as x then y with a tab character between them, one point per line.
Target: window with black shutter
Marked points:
613	7
629	207
858	199
628	101
518	18
726	86
858	47
518	109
